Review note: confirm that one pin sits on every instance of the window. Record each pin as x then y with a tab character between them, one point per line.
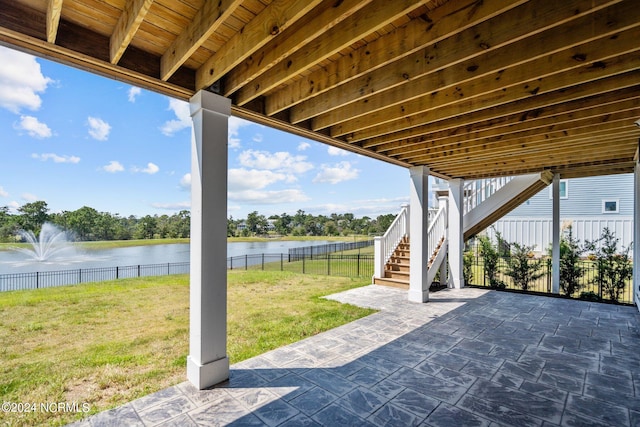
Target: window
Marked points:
610	206
564	189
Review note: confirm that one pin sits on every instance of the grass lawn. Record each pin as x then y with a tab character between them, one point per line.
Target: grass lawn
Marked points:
111	342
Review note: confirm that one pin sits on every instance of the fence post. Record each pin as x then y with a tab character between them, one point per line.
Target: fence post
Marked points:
37	279
358	267
168	269
263	261
281	261
303	258
328	264
231	263
138	270
246	262
117	272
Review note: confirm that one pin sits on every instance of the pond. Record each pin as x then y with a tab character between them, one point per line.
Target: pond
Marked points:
16	262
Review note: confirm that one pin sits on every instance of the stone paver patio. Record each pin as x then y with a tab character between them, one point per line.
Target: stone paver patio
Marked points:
469	357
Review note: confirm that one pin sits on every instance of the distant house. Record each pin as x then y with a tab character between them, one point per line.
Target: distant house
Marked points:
588	205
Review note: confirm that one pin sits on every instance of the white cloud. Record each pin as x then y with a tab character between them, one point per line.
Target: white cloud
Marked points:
172	206
251	179
185	181
21	80
150	169
257	138
337	173
28	197
34	127
303	146
182	120
335	151
3	193
113	167
280	161
234	125
269	197
98	128
56	158
13	205
133	93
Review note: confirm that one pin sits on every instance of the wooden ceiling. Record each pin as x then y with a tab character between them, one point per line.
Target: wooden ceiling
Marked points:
471	88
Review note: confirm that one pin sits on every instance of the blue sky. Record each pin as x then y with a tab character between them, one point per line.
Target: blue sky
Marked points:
75	139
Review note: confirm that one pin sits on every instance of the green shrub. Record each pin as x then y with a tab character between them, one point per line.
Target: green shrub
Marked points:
521	268
614	268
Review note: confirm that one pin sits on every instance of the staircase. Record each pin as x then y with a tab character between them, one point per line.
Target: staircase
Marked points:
485	201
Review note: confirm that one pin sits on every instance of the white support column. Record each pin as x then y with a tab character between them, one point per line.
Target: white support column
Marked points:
207	363
555	251
636	234
443	201
418	224
456	236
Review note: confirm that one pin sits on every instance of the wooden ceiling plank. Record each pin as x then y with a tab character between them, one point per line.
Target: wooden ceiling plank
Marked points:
439	24
274	19
611	112
364	22
495	106
128	23
476	122
54	9
323	18
526	144
516	83
207	20
468	50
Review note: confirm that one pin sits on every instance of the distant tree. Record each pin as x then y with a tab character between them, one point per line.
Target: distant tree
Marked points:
33	215
256	223
146	227
614	268
283	224
82	222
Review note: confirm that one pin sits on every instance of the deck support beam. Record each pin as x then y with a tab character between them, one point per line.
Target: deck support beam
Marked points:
208	363
555	229
419	224
456	239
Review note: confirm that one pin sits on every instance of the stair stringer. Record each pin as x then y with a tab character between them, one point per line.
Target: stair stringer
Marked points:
503	201
437	261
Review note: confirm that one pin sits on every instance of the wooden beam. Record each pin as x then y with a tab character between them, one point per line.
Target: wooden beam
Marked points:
326	16
378	14
442	22
54	9
273	20
499	105
527	80
208	19
127	26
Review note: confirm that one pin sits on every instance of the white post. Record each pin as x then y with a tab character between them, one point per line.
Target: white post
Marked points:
555	251
456	236
442	202
207	363
636	234
378	268
418	224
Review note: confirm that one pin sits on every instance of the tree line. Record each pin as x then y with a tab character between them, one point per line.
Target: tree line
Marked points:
86	224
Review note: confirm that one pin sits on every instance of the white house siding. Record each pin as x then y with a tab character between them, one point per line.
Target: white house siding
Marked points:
530	223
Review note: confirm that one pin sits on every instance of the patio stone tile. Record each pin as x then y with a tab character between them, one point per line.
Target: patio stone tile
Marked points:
417	403
336	415
496	412
367	376
513	352
380	363
545	391
345	368
300	420
426	384
275	413
617	384
447	415
391	415
430	367
479	369
487	359
517	400
122	416
570	419
601	411
329	381
182	420
166	410
290	386
568	384
387	388
157	397
507	380
528	370
362	401
224	412
456	377
313	400
564	369
475	346
449	360
256	397
202	397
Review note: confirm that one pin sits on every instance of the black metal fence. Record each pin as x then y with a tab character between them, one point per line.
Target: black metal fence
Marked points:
48	279
355	265
589	286
314	251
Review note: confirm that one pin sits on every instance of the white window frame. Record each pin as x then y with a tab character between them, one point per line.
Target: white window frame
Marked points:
605	201
566	190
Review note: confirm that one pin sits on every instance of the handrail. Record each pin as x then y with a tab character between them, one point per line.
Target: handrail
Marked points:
476	192
385	245
437	229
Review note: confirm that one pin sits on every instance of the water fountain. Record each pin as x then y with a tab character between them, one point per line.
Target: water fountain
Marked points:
52	241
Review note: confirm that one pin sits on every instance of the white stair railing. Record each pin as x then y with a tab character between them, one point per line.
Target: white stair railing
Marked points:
476	192
437	229
385	245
